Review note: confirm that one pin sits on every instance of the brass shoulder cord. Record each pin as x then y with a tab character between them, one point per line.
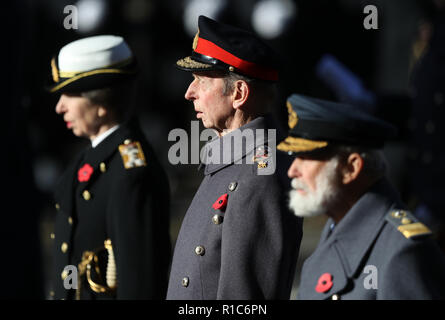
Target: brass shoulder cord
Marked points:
111	266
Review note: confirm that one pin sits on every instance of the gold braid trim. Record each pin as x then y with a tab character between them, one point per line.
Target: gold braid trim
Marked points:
87	74
187	62
300	145
120	64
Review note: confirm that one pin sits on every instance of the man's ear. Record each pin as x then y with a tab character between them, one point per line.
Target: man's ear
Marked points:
240	93
353	167
101	112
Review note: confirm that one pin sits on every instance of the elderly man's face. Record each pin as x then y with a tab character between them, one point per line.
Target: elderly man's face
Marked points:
79	114
212	106
315	185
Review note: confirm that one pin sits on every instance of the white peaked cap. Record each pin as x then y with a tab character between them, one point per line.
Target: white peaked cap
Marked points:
93	53
91	63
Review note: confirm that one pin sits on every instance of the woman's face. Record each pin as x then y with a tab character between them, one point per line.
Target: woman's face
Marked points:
80	115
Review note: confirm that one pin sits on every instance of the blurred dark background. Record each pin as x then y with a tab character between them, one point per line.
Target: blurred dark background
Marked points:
326	51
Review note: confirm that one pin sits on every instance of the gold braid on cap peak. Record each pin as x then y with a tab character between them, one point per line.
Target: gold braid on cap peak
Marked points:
187	62
54	70
295	144
293	118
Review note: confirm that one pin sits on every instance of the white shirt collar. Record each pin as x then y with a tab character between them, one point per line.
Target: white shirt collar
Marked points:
102	136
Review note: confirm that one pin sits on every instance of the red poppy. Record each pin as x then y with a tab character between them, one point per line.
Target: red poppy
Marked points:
85	173
324	283
221	202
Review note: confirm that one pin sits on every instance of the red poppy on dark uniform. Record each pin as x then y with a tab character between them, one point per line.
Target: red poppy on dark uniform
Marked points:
324	283
221	202
85	173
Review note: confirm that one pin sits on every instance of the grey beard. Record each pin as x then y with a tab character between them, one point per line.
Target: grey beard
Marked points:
314	203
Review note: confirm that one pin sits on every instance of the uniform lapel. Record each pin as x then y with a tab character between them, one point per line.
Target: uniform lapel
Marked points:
324	260
356	233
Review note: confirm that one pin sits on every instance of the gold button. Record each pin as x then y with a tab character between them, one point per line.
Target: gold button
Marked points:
335	297
127	141
57	206
51	293
64	274
406	221
70	220
217	219
103	167
52	235
232	186
199	250
64	247
231	69
86	195
185	282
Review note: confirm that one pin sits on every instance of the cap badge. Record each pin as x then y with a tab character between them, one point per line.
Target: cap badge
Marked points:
54	70
132	154
221	203
195	40
293	119
85	173
324	283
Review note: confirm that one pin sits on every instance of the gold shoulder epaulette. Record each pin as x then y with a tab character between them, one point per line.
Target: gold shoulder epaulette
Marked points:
407	224
132	154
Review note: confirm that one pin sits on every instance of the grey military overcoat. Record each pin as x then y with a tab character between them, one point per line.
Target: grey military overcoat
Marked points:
375	252
238	240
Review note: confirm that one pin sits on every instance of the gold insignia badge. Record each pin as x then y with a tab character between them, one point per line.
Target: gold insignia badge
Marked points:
262	165
195	40
132	155
54	70
261	157
293	119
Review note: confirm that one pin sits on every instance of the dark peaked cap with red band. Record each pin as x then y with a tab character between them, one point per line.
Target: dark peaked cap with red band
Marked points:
219	46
